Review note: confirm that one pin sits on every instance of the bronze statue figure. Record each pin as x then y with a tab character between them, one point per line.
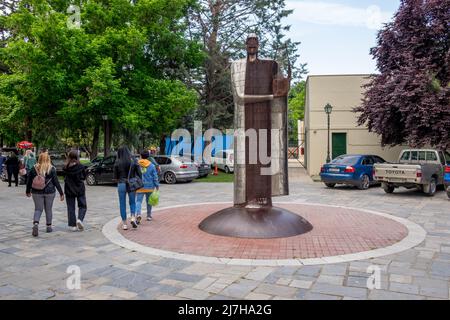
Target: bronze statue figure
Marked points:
260	166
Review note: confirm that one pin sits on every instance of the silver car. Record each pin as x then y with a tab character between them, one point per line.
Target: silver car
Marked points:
175	169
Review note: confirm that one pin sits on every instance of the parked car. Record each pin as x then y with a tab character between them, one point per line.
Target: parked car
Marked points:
355	170
416	168
447	180
224	160
58	161
204	169
177	168
103	171
96	160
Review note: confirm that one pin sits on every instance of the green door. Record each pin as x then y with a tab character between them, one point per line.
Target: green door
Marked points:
339	144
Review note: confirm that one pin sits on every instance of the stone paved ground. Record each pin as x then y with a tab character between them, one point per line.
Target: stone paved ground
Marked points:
37	268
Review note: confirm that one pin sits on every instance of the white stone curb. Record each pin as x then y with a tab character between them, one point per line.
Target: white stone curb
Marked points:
416	235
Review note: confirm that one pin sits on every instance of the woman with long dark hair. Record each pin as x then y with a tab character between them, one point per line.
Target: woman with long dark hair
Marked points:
126	167
74	176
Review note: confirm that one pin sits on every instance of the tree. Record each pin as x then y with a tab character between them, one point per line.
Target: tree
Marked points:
222	26
408	102
296	108
126	61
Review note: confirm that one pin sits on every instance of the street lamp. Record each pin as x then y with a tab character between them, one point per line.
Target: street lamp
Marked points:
328	109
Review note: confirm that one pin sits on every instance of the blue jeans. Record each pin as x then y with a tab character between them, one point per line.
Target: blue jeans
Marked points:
140	197
122	190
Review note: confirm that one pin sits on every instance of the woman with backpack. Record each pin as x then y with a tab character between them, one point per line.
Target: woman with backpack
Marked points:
150	180
74	189
125	169
42	184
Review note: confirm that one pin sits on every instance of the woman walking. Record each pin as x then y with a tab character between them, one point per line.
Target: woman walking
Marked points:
42	184
151	182
75	190
12	168
126	168
29	162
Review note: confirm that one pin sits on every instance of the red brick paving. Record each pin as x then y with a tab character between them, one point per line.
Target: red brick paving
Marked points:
336	231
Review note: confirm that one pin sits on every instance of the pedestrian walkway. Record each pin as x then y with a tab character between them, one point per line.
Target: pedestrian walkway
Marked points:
36	268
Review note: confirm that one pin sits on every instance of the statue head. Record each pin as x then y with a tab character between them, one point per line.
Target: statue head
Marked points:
252	45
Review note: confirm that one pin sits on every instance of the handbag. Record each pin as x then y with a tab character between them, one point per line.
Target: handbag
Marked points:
135	183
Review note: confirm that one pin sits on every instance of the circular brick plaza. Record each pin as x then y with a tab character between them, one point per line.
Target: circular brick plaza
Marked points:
337	232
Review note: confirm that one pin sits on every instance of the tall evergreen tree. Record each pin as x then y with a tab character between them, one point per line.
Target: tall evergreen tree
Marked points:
222	27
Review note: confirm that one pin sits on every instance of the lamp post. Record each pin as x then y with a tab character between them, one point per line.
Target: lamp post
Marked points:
328	109
106	142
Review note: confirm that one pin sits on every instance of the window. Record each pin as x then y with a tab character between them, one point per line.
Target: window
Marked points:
431	156
367	161
161	160
447	157
224	155
421	155
414	155
378	159
346	160
405	156
109	161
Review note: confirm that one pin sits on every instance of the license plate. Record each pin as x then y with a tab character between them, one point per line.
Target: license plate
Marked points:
333	170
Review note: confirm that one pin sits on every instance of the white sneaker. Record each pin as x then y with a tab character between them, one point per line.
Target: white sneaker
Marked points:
80	225
133	223
73	229
124	227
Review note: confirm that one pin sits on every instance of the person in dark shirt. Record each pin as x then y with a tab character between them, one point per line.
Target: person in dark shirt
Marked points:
12	167
126	167
74	189
43	199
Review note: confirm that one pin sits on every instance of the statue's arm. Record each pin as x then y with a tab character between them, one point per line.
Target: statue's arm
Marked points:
238	85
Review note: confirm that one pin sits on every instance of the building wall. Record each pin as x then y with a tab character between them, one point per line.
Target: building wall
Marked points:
343	92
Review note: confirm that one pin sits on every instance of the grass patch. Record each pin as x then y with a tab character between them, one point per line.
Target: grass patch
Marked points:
85	162
221	177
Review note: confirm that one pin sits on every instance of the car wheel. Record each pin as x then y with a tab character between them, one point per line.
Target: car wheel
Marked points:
364	182
170	178
388	188
227	170
90	180
430	189
330	185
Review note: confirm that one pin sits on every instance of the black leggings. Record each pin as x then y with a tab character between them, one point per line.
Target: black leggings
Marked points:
13	171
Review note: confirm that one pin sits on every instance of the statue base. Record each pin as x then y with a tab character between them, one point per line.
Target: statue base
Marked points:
257	223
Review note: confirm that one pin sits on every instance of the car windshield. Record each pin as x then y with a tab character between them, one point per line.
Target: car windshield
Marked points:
349	161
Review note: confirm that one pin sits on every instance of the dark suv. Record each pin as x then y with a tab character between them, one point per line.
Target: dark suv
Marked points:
103	171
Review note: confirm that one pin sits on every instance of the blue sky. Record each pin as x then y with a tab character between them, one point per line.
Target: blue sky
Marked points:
336	35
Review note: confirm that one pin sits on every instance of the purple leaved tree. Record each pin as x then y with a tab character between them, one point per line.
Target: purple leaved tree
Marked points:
408	102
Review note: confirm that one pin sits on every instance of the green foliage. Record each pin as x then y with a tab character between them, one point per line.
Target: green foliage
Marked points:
296	106
126	61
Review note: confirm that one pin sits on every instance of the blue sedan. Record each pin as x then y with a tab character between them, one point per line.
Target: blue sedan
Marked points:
355	170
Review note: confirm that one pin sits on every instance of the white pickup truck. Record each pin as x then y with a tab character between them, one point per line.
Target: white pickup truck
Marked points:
416	168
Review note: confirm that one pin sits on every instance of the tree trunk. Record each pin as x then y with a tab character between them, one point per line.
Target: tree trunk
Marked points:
162	145
95	140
